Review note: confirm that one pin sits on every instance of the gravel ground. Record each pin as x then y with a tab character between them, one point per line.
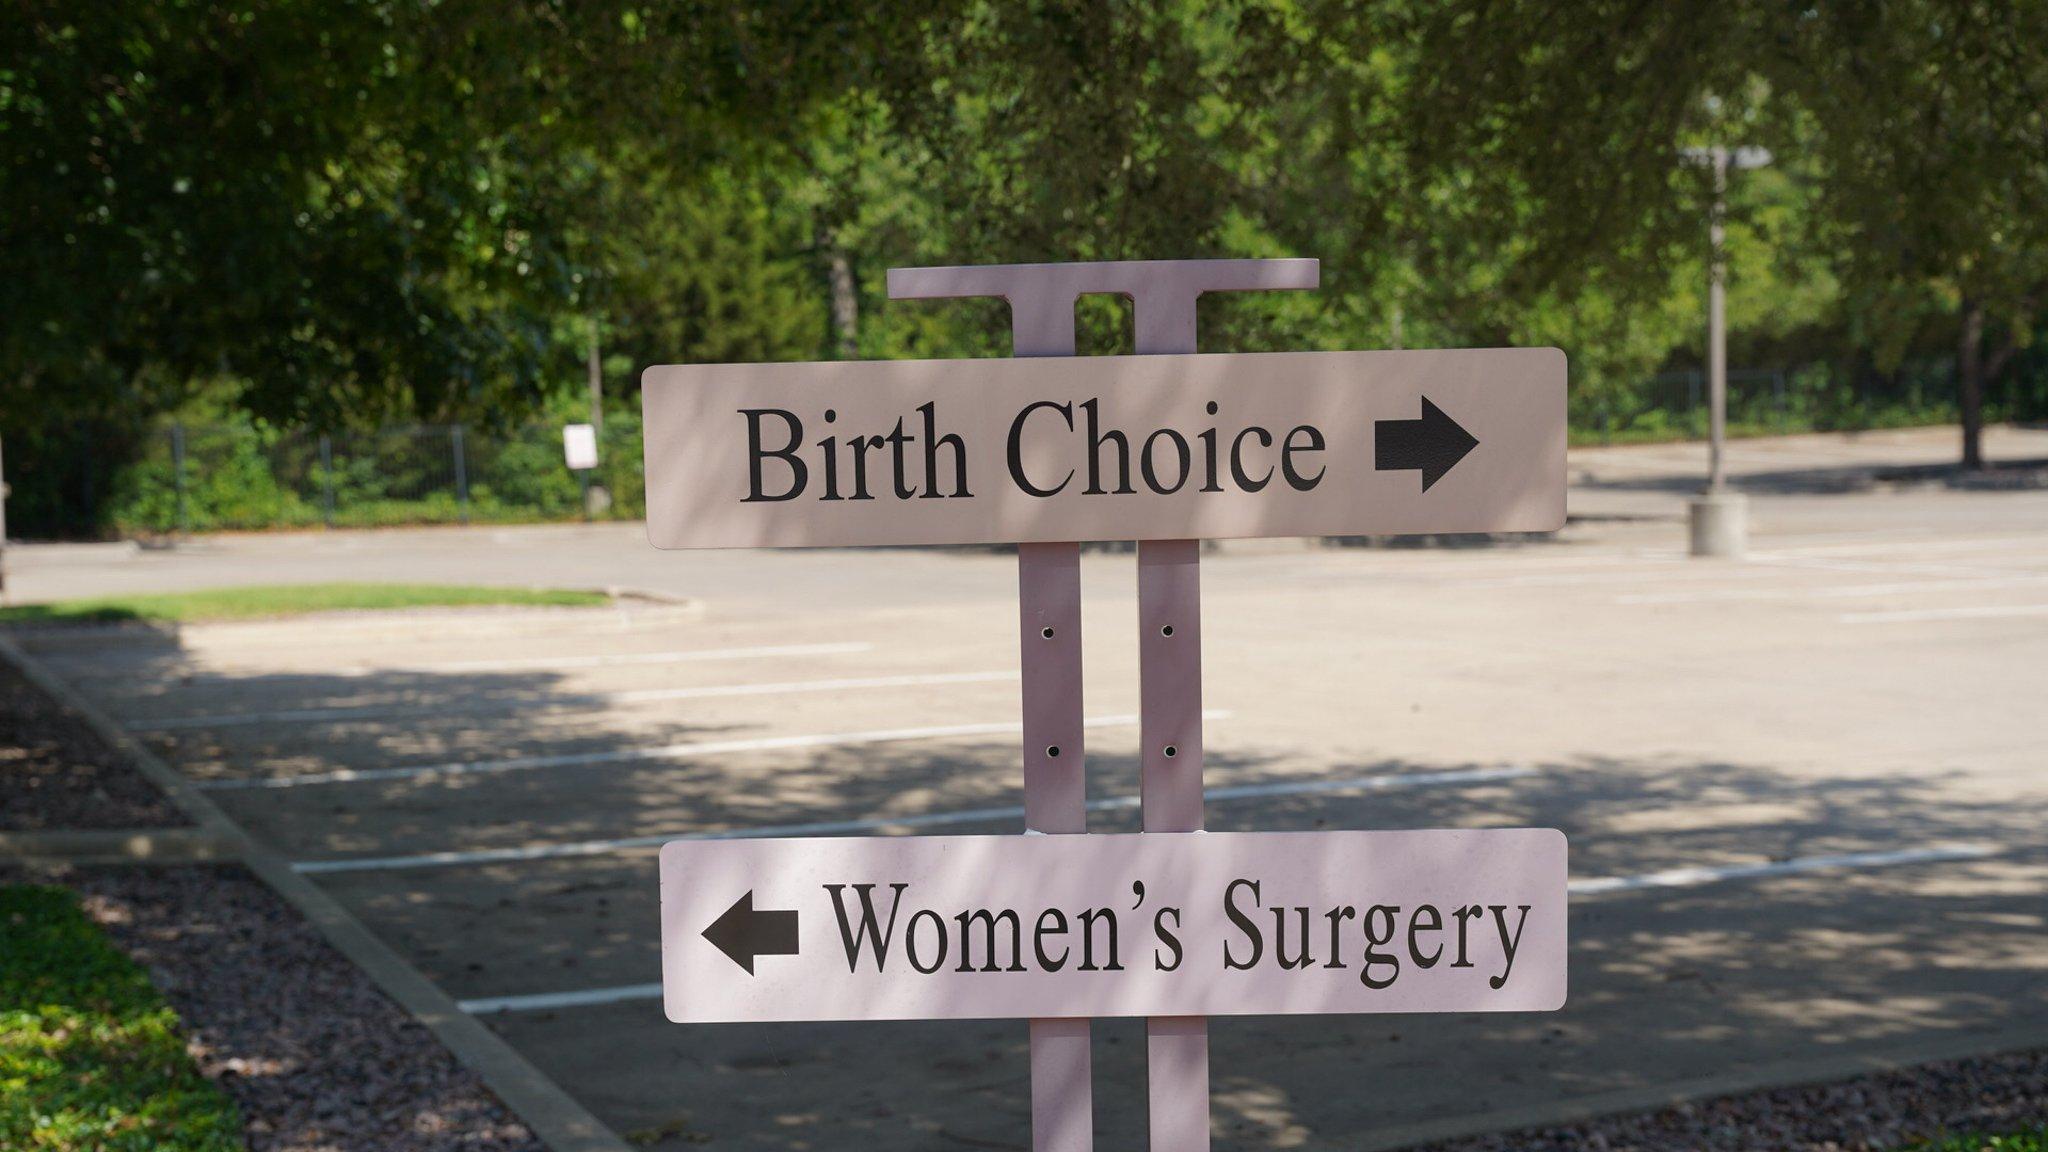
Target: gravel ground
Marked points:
1984	1094
316	1057
56	774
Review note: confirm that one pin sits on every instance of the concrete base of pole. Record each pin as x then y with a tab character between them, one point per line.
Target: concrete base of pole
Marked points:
1720	523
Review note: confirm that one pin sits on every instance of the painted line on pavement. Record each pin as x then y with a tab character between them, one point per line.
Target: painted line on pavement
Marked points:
237	676
634	659
1923	615
926	820
639	696
1672	878
1837	591
546	1000
686	751
1884	567
1694	877
1889	543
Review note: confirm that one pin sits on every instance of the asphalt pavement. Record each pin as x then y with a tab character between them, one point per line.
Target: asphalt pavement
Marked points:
1805	791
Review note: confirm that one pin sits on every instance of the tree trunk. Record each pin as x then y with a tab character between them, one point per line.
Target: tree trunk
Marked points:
845	304
594	366
1970	384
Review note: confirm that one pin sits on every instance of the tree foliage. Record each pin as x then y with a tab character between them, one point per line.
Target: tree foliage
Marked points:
1918	124
346	213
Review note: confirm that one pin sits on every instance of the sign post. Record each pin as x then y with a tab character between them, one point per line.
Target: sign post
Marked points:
1166	448
3	526
1163	294
579	451
1042	299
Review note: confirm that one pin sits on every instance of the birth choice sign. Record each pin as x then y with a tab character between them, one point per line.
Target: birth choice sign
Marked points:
1105	448
1210	924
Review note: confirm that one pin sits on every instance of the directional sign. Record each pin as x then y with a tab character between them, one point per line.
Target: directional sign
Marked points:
1105	448
1191	924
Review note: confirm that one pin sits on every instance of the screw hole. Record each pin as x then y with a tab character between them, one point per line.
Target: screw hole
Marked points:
1047	633
1166	630
1053	750
1171	751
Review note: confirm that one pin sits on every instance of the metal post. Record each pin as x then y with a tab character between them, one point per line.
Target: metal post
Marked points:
1042	298
326	482
1049	637
1717	519
461	473
3	521
178	476
595	368
1717	331
1170	759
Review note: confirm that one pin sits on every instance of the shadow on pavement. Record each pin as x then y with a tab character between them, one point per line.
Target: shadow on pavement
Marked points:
1670	985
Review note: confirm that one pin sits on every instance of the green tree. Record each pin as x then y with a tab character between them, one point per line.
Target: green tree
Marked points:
1934	117
1920	124
360	209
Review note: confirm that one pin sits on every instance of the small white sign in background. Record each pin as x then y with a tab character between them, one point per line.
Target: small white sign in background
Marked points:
579	445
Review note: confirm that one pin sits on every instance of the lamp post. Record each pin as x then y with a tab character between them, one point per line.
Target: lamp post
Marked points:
3	532
1719	517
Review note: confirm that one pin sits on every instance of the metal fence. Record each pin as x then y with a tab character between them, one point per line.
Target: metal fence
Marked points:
196	478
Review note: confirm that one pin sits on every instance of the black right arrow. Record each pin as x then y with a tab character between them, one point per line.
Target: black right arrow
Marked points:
1433	445
743	933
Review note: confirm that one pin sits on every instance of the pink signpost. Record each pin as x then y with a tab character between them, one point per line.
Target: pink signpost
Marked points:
1166	448
1042	299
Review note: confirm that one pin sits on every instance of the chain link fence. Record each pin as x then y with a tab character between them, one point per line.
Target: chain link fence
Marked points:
213	477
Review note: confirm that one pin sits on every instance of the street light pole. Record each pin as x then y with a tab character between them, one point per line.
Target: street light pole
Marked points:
1719	518
3	528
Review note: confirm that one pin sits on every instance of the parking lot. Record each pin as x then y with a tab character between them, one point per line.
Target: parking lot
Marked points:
1805	791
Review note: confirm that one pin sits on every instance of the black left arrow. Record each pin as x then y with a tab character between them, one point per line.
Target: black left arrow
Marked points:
742	933
1432	445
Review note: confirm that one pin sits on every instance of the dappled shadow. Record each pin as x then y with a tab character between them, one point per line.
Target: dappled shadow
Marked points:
1669	985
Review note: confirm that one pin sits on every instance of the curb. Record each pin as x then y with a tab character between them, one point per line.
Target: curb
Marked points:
556	1119
384	623
121	846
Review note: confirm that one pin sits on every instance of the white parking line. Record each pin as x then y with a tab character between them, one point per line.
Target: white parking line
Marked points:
640	696
925	820
1922	615
1837	591
548	1000
686	751
634	659
1918	544
1694	877
1673	878
94	669
1894	568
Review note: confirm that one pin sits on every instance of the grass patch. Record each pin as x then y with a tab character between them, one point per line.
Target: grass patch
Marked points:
90	1055
2033	1140
286	600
